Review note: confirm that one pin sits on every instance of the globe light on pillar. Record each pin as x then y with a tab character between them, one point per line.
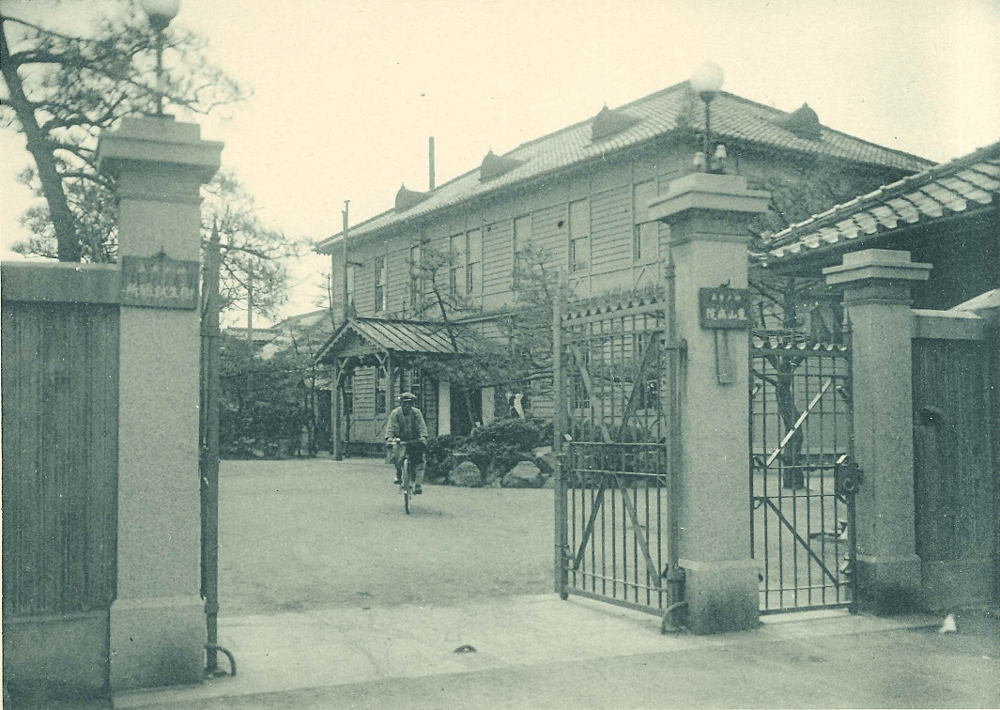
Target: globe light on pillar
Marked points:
706	80
160	13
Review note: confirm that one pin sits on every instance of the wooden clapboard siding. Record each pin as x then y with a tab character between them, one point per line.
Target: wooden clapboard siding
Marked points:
364	393
60	457
399	279
611	230
498	252
549	232
955	483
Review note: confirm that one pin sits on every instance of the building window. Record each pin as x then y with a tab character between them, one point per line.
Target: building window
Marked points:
410	381
646	233
416	280
347	390
380	390
579	236
522	238
474	262
350	287
456	255
381	292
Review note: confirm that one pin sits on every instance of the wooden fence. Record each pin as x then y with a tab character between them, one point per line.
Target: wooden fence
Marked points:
60	441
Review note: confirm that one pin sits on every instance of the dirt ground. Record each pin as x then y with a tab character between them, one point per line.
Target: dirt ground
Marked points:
315	533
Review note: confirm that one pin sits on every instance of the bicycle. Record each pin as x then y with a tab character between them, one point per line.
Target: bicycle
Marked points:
408	480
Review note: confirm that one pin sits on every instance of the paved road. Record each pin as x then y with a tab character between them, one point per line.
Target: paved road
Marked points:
315	534
333	598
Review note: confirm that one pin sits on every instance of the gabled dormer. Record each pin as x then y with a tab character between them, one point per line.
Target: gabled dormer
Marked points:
803	122
494	166
609	123
405	199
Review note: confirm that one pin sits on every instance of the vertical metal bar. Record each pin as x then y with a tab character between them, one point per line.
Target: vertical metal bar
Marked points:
338	410
210	450
852	541
674	438
557	446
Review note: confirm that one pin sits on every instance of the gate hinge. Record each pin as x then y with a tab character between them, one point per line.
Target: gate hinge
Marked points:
848	476
673	575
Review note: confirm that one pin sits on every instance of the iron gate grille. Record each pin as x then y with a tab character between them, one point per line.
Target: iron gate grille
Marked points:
801	521
614	383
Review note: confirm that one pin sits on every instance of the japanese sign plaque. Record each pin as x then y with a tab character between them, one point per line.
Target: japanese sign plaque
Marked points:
724	308
159	282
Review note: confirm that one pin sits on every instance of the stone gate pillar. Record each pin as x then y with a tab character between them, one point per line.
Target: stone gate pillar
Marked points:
708	216
158	630
876	284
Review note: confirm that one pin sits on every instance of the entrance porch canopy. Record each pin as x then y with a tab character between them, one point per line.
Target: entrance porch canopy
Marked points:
379	342
387	344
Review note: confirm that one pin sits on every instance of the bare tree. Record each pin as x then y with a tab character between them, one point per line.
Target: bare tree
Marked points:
61	91
254	275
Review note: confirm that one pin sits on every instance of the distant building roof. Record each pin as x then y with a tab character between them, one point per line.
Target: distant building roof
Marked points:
965	185
672	110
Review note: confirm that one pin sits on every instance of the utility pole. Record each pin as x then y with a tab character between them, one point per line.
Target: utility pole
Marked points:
346	305
250	306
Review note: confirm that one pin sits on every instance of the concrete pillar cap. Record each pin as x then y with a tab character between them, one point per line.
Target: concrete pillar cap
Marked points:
161	141
705	191
877	264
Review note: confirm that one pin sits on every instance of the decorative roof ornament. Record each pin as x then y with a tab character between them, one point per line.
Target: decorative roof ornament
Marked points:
803	122
405	199
494	166
609	123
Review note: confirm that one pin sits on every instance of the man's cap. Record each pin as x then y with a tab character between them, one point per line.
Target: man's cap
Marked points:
407	396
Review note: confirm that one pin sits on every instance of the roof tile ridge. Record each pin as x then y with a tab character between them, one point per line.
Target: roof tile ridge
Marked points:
589	120
773	109
883	194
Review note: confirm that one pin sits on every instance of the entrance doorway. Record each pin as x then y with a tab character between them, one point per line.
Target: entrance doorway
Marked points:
466	409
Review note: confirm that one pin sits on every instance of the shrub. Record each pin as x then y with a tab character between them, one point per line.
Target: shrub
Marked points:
522	434
499	446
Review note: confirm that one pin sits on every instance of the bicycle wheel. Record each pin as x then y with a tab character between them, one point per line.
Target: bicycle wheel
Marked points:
407	485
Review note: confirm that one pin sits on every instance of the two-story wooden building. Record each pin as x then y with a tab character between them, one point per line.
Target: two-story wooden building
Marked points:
579	196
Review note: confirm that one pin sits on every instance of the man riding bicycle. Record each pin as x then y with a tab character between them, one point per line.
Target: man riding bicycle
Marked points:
406	424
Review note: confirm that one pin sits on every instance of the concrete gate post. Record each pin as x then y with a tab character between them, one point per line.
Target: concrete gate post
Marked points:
876	285
158	630
708	216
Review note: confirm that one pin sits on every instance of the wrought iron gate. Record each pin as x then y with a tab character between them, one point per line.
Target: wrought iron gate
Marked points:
802	478
614	385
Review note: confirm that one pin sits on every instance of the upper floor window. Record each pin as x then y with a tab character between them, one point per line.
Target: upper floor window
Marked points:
381	292
350	286
474	262
522	238
646	233
456	255
579	236
416	279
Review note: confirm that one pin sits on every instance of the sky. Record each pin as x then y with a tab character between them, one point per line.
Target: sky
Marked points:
347	92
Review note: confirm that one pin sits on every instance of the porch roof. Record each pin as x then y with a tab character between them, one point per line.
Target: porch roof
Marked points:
359	336
968	185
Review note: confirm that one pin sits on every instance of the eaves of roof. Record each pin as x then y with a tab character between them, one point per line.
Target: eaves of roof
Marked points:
390	335
965	185
672	110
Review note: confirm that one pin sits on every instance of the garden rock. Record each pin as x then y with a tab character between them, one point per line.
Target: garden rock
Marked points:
524	475
466	474
545	458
